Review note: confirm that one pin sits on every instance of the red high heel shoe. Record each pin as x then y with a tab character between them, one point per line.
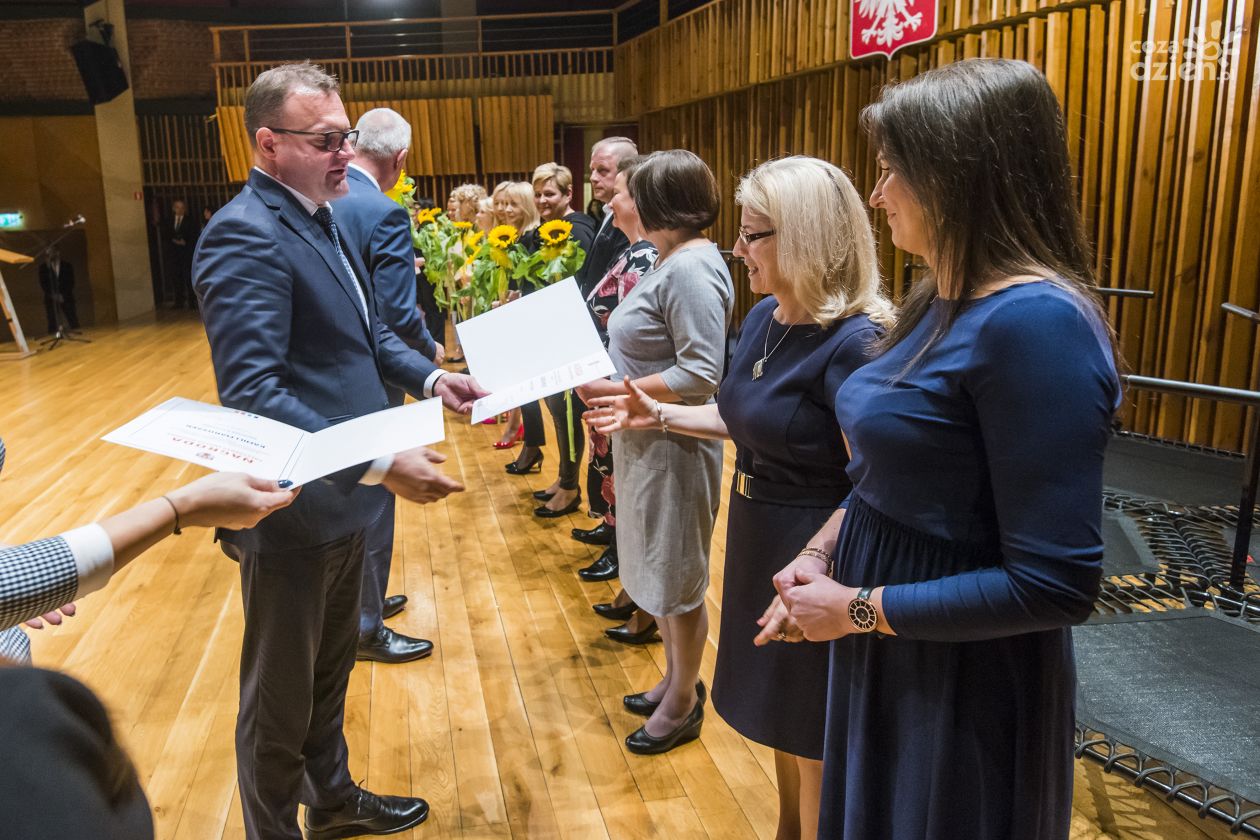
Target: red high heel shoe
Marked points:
516	438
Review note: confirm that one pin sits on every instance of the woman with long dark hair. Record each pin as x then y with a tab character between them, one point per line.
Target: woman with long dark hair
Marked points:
971	540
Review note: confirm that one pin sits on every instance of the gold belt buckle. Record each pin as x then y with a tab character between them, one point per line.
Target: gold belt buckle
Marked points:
743	483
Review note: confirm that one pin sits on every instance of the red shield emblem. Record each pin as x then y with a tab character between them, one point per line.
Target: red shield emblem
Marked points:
885	26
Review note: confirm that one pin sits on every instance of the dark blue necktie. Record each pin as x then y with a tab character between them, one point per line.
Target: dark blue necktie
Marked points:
324	216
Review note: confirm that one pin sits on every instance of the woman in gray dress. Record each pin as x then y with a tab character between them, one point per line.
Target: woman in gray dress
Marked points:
669	337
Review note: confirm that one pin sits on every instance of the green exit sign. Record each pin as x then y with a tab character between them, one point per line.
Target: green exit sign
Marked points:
11	220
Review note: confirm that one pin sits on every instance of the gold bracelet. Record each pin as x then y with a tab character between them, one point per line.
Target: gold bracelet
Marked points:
810	551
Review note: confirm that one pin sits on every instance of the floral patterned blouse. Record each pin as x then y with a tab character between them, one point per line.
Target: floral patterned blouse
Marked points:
622	275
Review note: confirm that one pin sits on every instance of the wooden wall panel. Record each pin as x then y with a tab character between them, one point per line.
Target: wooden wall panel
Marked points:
235	142
1164	151
517	132
441	133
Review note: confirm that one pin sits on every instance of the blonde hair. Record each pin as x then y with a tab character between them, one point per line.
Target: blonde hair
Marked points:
466	196
562	175
522	195
825	246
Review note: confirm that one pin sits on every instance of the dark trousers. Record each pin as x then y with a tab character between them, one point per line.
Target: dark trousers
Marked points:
65	288
560	422
378	552
434	318
301	631
531	418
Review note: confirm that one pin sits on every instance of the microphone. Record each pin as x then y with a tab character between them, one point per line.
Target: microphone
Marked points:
77	220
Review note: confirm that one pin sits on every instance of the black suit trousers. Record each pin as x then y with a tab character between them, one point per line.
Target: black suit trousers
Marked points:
301	631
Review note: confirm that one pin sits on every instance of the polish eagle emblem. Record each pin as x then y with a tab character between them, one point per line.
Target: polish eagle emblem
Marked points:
885	26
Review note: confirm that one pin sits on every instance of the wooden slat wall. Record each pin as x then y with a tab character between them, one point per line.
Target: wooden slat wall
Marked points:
517	132
1167	167
236	153
579	81
441	133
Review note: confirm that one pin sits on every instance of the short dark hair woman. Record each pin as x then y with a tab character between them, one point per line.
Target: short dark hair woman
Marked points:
669	337
971	540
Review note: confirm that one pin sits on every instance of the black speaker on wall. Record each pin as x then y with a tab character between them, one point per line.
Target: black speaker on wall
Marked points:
101	69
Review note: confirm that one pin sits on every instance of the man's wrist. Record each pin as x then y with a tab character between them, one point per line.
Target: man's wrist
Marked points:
431	383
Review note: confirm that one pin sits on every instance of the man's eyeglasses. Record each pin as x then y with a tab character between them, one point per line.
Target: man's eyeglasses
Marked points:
749	238
333	140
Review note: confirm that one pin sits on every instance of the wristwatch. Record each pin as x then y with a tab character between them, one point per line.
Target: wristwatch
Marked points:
862	612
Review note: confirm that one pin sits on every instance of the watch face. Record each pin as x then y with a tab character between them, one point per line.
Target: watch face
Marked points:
862	614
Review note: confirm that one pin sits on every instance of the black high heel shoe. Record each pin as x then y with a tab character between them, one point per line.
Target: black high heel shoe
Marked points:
612	612
534	463
544	512
641	743
639	704
626	637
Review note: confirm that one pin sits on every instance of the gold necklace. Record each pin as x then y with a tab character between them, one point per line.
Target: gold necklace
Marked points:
759	366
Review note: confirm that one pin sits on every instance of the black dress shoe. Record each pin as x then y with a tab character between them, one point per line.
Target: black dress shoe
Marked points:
645	636
640	742
639	704
390	647
601	534
366	813
527	465
612	612
604	568
543	495
393	606
544	512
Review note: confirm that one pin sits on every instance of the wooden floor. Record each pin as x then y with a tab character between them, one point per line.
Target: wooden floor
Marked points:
513	728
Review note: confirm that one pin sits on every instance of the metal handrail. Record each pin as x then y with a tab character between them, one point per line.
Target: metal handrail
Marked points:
1194	390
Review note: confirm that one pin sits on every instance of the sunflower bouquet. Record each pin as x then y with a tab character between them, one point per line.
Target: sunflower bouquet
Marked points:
441	242
559	255
495	259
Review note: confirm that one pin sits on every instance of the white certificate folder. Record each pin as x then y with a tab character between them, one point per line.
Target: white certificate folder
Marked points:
225	439
532	348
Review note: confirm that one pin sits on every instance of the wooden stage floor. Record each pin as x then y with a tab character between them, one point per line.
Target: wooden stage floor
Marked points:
513	728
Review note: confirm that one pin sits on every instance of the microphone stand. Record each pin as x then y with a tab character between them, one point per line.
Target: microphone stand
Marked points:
63	332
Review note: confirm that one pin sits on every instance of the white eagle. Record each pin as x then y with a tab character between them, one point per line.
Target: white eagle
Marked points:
889	20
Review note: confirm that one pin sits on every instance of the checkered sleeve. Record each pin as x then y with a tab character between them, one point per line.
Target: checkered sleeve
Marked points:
35	578
14	646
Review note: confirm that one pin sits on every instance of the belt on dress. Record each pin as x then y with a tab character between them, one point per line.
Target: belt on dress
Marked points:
792	495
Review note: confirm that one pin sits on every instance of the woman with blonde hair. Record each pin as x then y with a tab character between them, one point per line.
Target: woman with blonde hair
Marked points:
461	206
807	242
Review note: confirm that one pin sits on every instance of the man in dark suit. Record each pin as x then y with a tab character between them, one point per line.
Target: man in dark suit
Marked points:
609	242
56	279
294	335
383	233
180	236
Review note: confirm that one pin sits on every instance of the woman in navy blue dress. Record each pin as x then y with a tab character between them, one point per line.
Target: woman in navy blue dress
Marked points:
971	540
807	242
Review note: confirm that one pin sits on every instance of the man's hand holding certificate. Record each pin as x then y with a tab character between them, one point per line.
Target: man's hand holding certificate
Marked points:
532	348
226	439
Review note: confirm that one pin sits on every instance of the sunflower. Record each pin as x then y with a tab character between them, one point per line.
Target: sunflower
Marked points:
502	236
462	225
404	186
472	240
555	231
425	216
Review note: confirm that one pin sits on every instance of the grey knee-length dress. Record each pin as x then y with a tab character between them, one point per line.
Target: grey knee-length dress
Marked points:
672	323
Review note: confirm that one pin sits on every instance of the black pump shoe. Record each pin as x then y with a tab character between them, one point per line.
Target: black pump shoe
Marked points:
544	512
645	636
639	704
640	742
518	467
601	534
543	495
612	612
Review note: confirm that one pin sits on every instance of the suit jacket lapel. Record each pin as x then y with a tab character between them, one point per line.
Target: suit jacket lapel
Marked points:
294	216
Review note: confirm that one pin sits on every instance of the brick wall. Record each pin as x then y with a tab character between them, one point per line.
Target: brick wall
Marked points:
170	59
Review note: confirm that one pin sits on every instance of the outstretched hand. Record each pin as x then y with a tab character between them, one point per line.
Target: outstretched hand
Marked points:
229	500
415	476
458	392
633	410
